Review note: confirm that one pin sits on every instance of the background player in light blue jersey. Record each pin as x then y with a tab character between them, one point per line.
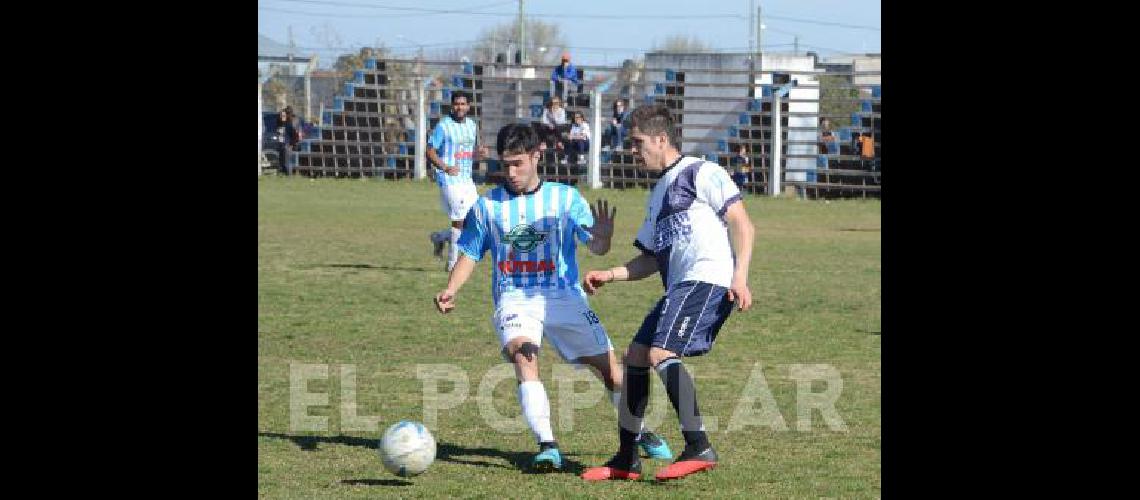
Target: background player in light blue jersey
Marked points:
452	154
699	237
532	228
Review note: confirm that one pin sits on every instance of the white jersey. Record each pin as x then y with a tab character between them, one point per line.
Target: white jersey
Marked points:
684	224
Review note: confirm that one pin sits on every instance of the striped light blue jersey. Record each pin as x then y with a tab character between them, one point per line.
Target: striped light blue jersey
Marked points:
455	144
531	239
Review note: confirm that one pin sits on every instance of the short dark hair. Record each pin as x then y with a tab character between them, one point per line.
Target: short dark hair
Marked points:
459	93
516	138
655	119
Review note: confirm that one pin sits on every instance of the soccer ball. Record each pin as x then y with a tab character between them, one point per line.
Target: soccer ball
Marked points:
407	449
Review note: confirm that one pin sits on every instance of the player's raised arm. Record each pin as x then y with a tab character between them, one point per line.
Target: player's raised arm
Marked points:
602	231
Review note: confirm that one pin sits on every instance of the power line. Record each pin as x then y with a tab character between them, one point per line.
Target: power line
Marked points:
342	16
623	17
628	17
823	23
408	9
358	47
842	52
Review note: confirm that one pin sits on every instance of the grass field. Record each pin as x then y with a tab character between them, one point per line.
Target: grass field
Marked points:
345	276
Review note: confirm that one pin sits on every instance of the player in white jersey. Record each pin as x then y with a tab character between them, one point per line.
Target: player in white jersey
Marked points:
690	215
452	153
531	227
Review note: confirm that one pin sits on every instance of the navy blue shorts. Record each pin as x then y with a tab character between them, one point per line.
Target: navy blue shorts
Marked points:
687	319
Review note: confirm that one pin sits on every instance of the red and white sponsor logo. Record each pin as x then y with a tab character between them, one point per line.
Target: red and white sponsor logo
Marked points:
526	266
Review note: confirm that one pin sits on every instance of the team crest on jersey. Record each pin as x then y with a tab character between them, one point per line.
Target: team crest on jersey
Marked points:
524	238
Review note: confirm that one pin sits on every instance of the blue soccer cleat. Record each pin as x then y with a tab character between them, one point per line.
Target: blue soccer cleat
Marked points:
654	446
547	460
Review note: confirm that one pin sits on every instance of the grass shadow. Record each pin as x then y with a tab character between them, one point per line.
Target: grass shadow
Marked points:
376	482
369	266
447	452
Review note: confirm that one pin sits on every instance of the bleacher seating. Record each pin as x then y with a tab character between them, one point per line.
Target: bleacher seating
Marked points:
367	134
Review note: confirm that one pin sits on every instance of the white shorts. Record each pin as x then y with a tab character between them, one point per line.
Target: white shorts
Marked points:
567	322
457	199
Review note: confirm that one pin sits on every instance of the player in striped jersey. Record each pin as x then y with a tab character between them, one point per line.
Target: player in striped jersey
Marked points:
452	152
532	229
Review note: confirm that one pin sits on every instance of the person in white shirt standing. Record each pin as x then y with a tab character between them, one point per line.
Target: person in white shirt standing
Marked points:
699	237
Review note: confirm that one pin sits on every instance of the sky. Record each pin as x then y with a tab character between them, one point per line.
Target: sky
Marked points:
599	32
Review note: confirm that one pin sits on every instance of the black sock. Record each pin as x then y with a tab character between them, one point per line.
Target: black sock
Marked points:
683	395
545	445
631	409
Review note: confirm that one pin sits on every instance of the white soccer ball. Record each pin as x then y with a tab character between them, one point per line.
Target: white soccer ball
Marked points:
407	449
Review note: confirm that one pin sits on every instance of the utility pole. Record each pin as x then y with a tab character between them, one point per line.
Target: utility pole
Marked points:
759	31
752	28
522	32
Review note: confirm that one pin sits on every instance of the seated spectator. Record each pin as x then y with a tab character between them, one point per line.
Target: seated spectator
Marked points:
554	116
579	139
828	144
561	74
555	123
615	132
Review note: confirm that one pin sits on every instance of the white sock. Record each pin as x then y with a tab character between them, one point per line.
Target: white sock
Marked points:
615	398
453	250
536	409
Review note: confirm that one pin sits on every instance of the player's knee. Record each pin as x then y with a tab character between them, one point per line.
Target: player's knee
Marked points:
523	353
612	381
637	355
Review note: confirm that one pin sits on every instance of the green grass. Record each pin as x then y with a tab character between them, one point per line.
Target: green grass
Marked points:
345	276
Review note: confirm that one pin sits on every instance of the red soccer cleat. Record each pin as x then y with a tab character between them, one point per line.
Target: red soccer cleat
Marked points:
614	469
688	464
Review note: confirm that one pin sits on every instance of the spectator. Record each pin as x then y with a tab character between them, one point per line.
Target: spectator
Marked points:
561	74
827	140
288	135
579	138
741	167
828	145
867	150
554	116
615	131
556	125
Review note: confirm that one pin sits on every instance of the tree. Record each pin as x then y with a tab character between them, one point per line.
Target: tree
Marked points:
682	44
503	39
837	99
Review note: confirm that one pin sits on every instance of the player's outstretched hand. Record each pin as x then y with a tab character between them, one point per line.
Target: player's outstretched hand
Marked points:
603	219
595	280
445	301
740	294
